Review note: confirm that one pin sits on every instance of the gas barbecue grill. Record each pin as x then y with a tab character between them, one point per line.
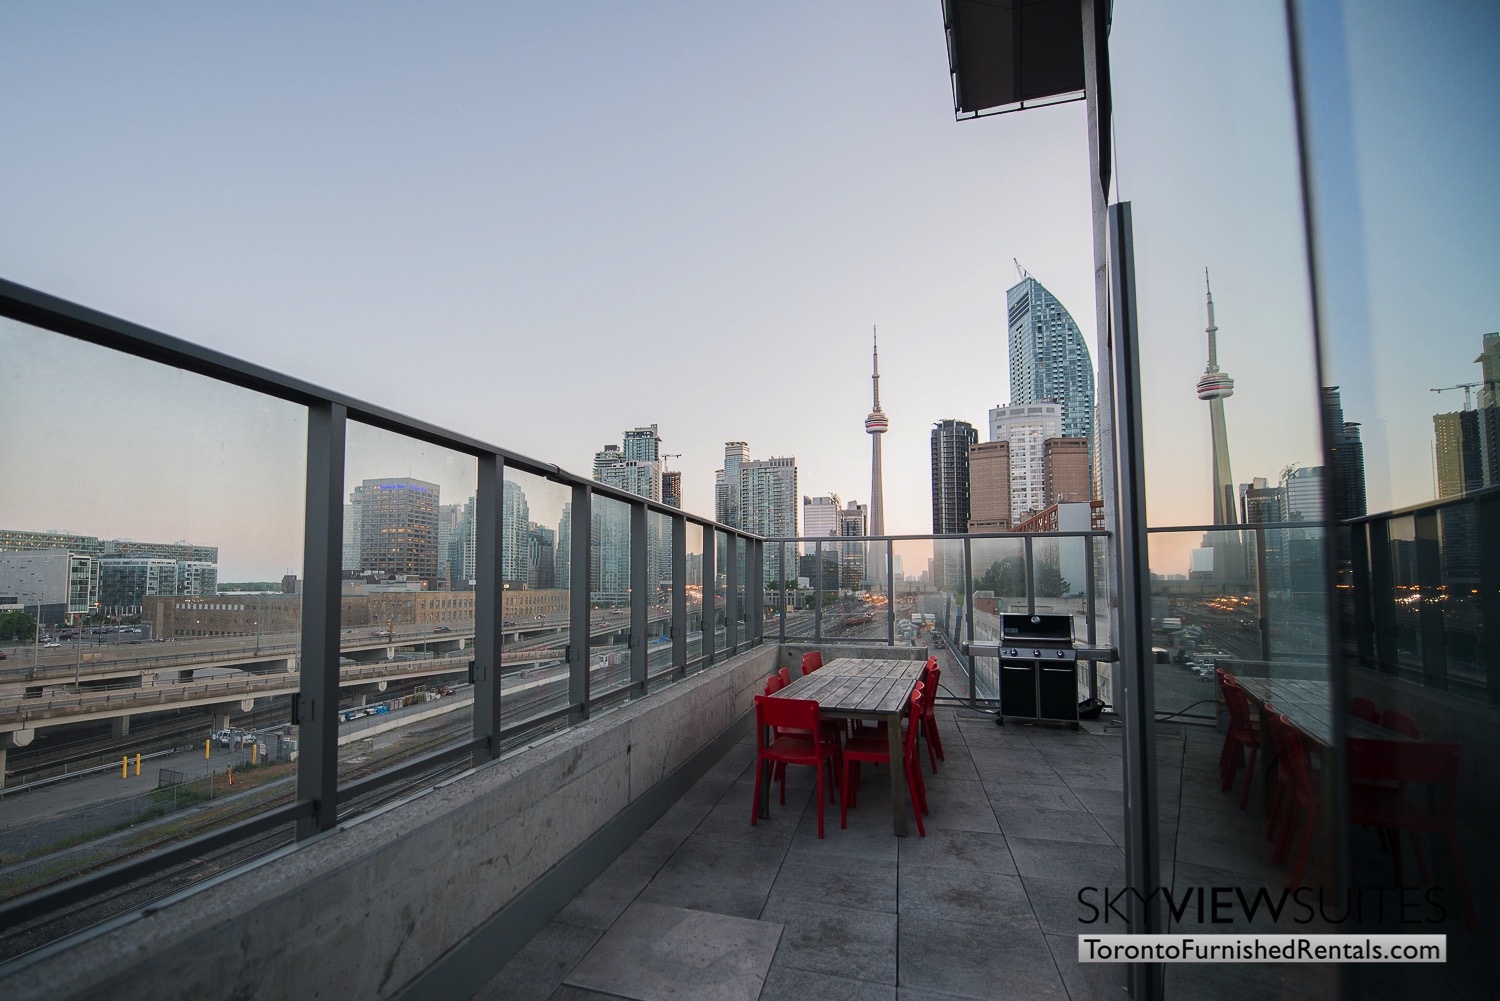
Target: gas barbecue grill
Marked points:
1038	668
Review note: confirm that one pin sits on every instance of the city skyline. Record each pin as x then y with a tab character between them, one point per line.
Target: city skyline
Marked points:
460	219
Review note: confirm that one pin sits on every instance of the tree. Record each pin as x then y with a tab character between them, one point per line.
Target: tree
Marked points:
1007	578
17	626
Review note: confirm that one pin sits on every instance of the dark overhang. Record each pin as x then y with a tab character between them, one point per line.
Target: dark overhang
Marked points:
1006	55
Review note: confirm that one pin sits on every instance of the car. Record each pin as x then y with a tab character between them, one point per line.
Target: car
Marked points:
441	629
51	643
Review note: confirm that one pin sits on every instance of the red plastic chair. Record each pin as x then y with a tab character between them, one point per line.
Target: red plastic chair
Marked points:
811	661
1365	709
786	677
877	750
791	724
1299	793
1242	733
1372	804
929	713
774	684
1398	722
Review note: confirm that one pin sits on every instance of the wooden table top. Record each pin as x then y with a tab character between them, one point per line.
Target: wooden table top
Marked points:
1307	705
856	687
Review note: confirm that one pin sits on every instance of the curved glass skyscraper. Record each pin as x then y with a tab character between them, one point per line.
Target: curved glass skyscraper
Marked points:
1048	360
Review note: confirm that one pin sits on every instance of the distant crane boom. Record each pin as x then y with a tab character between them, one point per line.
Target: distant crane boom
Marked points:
1467	387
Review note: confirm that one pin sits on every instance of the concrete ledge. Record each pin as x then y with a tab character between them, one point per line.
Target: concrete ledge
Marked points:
368	908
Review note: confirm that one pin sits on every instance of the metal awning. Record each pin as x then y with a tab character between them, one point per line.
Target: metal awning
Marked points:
1006	55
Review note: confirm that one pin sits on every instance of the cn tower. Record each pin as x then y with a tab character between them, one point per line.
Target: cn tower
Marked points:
1214	386
875	425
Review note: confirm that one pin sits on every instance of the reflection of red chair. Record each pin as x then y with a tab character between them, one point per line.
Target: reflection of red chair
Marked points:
1298	792
1393	811
1242	733
1365	709
877	750
1398	722
930	677
792	723
811	661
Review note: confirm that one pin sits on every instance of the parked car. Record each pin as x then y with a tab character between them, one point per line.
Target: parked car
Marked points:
441	629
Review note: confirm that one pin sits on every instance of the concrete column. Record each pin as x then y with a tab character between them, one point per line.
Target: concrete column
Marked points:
119	726
9	739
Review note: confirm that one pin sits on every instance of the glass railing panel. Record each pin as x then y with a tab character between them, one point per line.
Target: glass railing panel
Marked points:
609	601
695	593
719	617
662	593
536	521
998	583
742	607
151	654
407	612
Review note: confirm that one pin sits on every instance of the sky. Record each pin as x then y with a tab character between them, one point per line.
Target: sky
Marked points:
543	231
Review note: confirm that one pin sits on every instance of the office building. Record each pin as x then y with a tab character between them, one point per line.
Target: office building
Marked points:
1049	362
989	486
671	488
62	583
820	518
767	504
1460	470
951	441
727	484
398	527
1026	428
515	545
860	564
449	517
1065	471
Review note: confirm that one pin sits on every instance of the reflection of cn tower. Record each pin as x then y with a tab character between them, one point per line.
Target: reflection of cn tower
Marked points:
1214	386
875	426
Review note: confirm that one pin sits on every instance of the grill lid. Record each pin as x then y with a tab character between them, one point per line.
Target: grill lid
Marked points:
1037	630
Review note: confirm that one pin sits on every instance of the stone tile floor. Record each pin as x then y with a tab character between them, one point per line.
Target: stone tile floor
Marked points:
984	906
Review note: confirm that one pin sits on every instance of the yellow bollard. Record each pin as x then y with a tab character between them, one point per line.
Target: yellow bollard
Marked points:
125	766
138	764
254	753
230	770
205	749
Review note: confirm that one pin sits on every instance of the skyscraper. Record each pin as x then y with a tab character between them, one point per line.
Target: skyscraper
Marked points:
951	441
1049	361
767	505
1027	427
875	426
643	444
727	484
820	517
989	487
398	521
1214	386
855	557
671	488
515	547
1489	407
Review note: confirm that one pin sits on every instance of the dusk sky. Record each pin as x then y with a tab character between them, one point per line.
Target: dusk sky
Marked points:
543	230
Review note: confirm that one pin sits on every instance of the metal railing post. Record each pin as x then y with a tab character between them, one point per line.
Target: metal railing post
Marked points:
732	594
580	599
488	602
679	594
817	592
316	709
710	600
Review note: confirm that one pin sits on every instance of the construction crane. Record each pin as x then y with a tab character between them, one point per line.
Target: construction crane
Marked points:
1467	387
668	455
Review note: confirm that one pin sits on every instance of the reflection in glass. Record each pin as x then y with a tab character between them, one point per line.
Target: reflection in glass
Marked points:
659	602
720	622
695	592
609	565
536	569
168	614
407	618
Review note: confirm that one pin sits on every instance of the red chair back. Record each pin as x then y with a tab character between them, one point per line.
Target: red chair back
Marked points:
774	684
793	714
1291	756
928	687
1238	704
909	739
1398	722
1375	760
786	677
811	661
1365	709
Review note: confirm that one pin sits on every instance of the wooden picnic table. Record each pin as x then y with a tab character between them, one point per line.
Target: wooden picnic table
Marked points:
863	688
